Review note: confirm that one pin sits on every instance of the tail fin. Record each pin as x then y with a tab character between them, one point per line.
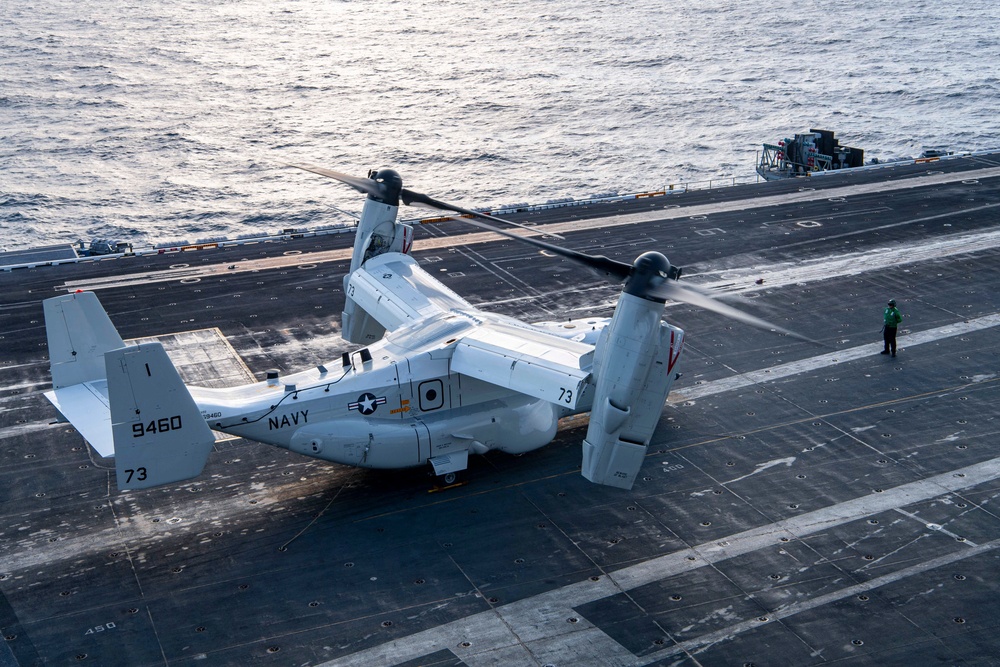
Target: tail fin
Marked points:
79	333
159	434
126	401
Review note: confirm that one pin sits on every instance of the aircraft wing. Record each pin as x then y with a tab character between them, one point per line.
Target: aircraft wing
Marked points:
526	360
394	290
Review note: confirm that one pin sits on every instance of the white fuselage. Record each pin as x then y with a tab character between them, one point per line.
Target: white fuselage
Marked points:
401	408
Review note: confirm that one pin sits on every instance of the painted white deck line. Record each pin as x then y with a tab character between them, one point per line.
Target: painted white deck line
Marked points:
844	264
830	359
805	194
541	622
700	644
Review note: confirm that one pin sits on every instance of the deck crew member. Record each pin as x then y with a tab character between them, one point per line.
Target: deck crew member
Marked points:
890	321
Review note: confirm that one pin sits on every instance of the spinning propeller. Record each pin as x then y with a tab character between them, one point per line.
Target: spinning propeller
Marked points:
387	187
650	276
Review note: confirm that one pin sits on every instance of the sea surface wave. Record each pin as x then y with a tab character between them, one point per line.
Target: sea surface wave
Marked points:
150	121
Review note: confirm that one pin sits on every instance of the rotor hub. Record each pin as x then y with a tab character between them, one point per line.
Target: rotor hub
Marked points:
388	184
649	271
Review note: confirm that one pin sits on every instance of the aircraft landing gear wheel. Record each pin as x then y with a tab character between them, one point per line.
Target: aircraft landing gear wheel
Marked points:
448	480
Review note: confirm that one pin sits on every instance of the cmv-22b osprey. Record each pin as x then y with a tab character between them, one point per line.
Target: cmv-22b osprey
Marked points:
435	379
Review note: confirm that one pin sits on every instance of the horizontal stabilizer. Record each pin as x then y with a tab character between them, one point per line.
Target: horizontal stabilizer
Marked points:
85	406
159	433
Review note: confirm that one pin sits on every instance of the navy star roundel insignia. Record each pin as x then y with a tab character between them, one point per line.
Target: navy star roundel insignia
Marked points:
367	403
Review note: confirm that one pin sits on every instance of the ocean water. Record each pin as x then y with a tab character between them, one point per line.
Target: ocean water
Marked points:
153	121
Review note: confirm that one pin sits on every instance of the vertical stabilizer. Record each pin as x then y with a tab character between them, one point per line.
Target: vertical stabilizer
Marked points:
79	333
159	434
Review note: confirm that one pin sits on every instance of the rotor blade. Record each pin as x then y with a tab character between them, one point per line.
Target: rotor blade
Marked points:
411	198
688	294
612	267
365	185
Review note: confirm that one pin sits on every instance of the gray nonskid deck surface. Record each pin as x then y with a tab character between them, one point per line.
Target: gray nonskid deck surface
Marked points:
800	504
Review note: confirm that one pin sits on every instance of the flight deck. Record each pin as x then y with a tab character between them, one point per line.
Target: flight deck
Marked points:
800	504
